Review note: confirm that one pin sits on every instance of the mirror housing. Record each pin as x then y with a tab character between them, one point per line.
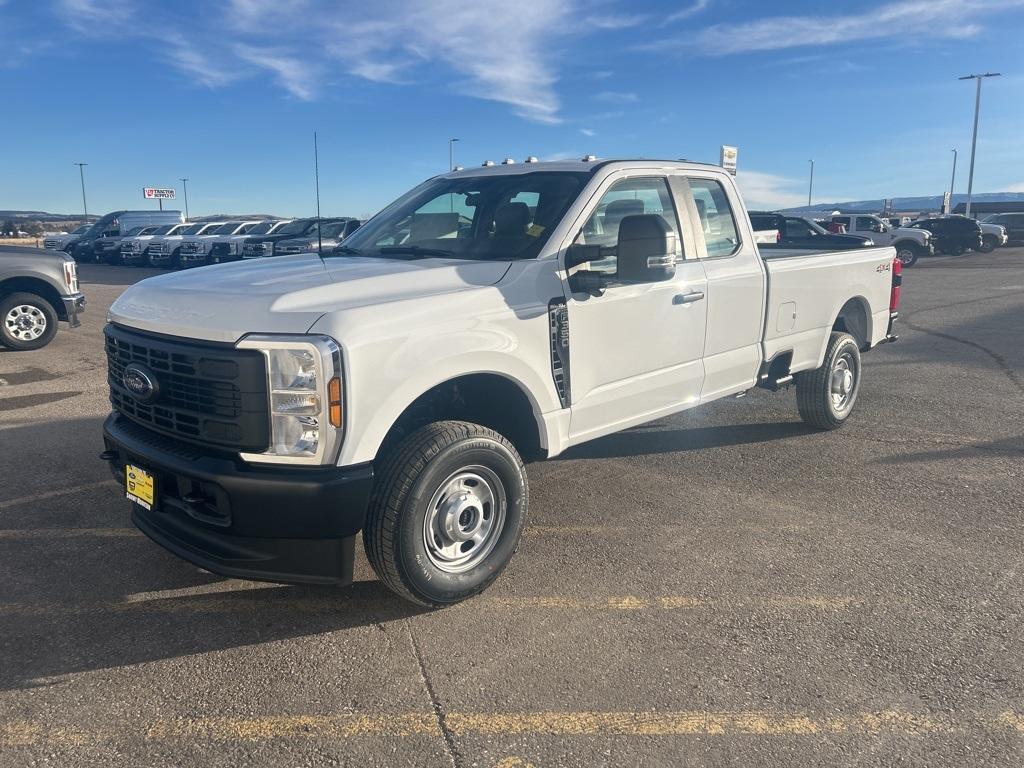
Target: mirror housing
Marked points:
646	249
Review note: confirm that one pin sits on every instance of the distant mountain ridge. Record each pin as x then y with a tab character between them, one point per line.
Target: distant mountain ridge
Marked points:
932	203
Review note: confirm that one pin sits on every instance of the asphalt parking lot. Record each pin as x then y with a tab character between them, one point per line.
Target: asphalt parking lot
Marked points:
725	587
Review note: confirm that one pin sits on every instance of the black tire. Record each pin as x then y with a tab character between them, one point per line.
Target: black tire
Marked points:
26	308
988	244
175	260
908	253
414	473
814	389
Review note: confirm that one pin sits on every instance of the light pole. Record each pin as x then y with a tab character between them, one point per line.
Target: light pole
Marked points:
810	185
974	139
81	175
451	154
184	186
952	181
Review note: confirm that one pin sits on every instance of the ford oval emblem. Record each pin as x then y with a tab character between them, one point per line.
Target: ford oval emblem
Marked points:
139	381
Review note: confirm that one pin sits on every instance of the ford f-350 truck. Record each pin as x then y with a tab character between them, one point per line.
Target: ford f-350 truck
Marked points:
395	384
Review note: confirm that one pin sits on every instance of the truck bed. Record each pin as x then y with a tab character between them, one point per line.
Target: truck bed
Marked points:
808	288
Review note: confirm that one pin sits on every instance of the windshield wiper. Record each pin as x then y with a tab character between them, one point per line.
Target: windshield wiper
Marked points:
414	251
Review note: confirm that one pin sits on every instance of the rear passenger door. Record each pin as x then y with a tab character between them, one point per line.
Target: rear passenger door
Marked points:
735	290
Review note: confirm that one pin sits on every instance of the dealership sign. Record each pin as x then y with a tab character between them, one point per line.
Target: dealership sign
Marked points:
729	155
156	193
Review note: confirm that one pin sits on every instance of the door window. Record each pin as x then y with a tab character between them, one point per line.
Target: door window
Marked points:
718	223
798	228
628	197
867	224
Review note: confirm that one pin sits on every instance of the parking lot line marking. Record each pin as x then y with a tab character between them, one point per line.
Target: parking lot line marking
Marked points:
723	723
8	503
197	601
68	533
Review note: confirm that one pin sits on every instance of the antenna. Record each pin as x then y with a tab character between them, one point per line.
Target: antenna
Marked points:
316	171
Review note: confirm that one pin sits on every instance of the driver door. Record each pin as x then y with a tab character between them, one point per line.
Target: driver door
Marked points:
636	349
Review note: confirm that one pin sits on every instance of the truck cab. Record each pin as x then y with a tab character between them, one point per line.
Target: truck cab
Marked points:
394	384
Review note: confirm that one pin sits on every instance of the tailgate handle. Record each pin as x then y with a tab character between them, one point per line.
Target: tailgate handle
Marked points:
688	298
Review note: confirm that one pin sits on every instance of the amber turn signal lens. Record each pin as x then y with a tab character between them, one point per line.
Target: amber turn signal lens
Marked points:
334	401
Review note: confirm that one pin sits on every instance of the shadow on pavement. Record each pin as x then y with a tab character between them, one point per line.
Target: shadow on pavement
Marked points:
643	440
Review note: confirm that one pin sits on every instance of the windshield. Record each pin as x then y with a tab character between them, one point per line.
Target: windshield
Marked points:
333	229
164	230
225	229
298	227
262	228
134	231
81	229
191	229
507	216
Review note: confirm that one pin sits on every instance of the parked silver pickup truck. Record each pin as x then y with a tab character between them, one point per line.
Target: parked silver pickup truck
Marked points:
37	288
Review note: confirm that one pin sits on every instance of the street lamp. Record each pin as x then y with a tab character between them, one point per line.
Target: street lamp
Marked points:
81	175
184	186
810	185
974	139
952	181
451	154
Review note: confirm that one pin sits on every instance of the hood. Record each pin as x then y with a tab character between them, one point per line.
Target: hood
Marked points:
287	294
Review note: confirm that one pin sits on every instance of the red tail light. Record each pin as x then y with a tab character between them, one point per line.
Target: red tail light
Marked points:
897	281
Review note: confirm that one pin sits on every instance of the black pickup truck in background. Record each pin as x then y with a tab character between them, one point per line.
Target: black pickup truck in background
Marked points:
798	232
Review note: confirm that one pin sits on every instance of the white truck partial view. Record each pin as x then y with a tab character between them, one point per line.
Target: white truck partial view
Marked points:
394	385
910	244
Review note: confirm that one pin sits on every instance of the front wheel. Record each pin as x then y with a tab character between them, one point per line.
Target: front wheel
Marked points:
988	244
908	254
825	396
27	321
446	513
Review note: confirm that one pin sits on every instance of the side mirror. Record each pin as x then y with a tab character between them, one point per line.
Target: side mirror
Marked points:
646	249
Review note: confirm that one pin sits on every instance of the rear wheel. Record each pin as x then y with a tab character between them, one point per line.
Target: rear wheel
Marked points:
446	513
988	244
826	395
908	254
27	321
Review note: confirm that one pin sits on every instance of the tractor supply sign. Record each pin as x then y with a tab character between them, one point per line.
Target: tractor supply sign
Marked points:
156	193
729	155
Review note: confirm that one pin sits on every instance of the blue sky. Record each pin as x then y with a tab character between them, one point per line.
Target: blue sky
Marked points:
229	94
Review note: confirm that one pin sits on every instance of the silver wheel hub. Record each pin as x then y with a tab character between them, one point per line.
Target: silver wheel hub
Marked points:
464	519
25	322
842	383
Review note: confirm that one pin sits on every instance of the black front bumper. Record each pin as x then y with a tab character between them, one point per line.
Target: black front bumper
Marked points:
283	524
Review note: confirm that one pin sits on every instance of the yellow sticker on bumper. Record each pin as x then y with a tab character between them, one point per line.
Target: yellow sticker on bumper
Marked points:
138	485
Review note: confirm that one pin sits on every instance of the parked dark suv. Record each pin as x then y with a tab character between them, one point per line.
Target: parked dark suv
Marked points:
1012	222
798	232
952	234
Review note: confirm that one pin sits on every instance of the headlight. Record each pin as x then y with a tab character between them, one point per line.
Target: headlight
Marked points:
312	245
233	247
304	381
71	276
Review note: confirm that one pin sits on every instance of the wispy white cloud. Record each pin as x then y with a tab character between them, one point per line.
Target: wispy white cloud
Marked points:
945	18
615	21
295	76
588	131
687	11
1015	187
769	191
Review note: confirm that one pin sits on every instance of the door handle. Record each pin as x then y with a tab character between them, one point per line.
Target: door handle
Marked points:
688	298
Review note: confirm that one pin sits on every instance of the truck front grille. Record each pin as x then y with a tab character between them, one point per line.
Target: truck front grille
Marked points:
190	247
51	243
207	394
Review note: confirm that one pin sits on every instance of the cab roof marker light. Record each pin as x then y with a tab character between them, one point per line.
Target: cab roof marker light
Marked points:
589	158
508	161
532	159
486	163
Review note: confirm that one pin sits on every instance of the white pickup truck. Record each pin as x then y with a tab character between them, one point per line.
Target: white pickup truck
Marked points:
392	386
910	244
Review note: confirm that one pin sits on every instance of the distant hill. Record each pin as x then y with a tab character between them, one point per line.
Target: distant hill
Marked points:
42	216
933	203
